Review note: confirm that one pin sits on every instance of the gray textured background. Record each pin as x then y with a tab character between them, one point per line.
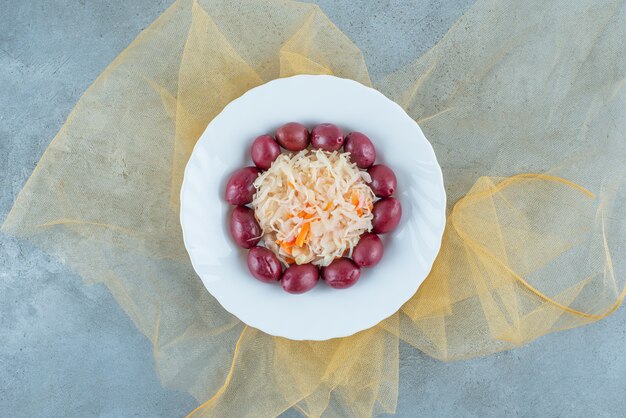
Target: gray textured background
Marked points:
67	349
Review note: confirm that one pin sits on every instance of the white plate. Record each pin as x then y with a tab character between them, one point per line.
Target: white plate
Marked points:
322	313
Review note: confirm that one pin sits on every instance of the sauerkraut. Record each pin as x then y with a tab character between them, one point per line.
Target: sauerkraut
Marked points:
313	206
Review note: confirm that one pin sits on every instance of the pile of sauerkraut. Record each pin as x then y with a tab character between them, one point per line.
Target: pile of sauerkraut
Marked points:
313	206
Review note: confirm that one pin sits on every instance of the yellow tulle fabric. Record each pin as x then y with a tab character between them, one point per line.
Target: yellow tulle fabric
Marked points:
524	103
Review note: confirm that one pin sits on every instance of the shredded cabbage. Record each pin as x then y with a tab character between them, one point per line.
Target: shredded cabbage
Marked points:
313	206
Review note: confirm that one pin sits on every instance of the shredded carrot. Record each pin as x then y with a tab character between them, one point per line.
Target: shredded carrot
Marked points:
303	234
359	211
355	197
328	206
289	260
286	245
293	186
305	215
